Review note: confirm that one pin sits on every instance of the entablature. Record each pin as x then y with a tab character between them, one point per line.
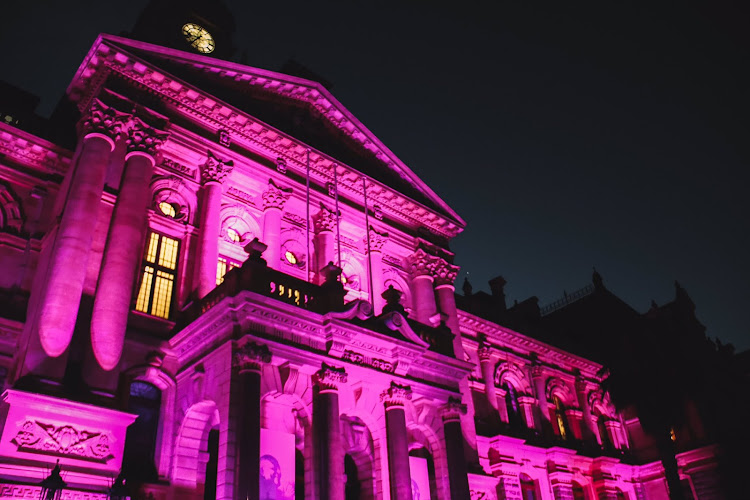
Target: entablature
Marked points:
33	152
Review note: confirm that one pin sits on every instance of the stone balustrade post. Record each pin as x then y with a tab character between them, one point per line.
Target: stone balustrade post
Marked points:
247	362
122	255
457	465
375	261
327	439
324	241
213	173
274	199
399	473
100	128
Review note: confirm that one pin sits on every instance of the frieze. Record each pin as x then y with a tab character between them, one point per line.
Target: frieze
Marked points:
178	167
32	151
362	360
393	261
191	101
369	347
295	219
200	337
241	195
64	440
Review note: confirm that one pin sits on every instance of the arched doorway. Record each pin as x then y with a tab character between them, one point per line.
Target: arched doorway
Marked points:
212	465
144	400
353	488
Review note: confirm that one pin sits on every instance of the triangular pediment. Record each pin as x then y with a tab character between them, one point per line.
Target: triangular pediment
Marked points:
301	108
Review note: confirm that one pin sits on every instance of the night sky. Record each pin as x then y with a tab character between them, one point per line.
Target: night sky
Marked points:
567	135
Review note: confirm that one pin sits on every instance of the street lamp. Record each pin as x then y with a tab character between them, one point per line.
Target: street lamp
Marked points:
119	490
53	485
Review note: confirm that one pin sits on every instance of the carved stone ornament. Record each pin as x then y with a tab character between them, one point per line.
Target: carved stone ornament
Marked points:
325	220
215	170
377	240
103	119
250	356
329	377
281	166
420	263
453	409
63	440
396	395
445	273
275	196
144	138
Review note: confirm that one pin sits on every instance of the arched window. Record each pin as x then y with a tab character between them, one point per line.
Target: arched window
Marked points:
212	466
559	421
140	442
353	489
511	403
578	493
528	488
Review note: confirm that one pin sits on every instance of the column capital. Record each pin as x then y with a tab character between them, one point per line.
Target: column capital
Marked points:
537	371
453	409
275	196
420	263
144	138
329	377
325	220
215	169
396	395
484	351
104	120
378	240
445	273
249	356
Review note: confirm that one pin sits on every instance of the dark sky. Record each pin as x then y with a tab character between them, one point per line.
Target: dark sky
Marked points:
568	135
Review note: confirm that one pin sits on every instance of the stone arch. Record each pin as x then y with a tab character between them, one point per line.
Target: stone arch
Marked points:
354	275
556	387
173	190
293	240
11	218
509	372
191	444
599	403
358	444
392	277
163	381
237	217
425	428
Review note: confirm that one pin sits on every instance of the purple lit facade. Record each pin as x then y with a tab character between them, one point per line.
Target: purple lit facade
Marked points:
224	320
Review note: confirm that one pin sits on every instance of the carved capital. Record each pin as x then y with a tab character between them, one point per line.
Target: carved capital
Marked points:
103	119
215	169
537	371
395	395
275	196
324	220
377	240
453	409
420	263
484	352
445	273
144	138
250	356
329	377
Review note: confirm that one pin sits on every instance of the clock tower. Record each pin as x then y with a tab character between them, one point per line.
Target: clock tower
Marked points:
191	25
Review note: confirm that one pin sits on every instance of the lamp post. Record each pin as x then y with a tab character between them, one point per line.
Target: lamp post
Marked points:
53	485
119	490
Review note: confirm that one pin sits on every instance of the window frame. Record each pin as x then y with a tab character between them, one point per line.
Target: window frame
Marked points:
156	267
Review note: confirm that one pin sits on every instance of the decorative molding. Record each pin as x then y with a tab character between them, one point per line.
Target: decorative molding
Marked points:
362	360
33	151
295	219
453	409
65	440
445	273
396	395
103	119
241	195
275	196
144	138
378	239
325	220
329	377
250	356
420	263
178	167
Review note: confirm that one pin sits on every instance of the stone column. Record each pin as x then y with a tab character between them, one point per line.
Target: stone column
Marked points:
588	426
445	277
327	441
398	448
421	267
375	261
123	251
457	466
274	199
485	362
543	423
213	173
247	362
527	404
69	259
502	405
324	241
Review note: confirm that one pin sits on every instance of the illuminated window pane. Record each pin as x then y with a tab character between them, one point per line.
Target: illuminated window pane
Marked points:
162	294
233	235
153	244
141	304
291	258
167	209
158	276
168	254
223	267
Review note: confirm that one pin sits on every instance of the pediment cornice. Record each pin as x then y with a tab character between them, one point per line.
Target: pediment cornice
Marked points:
32	151
108	56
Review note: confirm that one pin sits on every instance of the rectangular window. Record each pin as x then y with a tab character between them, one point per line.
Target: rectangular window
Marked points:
224	266
156	292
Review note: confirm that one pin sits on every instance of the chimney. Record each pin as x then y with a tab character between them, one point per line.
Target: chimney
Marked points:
497	285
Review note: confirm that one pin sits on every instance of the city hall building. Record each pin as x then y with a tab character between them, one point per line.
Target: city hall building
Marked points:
219	282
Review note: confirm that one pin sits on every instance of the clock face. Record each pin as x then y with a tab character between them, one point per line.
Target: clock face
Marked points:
198	38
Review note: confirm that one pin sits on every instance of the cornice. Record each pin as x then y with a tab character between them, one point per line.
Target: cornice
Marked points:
33	151
255	135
